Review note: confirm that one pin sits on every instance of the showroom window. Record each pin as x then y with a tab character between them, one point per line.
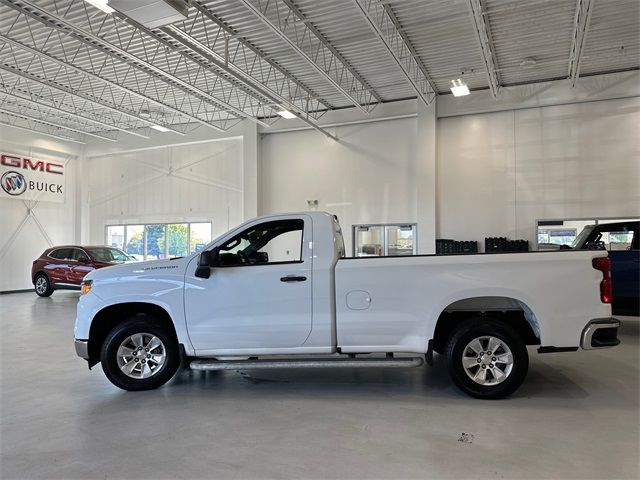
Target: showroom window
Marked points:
159	240
556	236
384	240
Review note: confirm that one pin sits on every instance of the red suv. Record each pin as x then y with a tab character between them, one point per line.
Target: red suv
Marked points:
65	267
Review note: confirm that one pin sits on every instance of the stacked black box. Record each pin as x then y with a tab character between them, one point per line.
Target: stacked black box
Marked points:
453	247
503	244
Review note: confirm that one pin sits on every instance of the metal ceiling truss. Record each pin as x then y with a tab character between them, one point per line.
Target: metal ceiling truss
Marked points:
290	25
201	50
29	122
16	86
260	78
581	23
129	102
232	48
483	33
165	74
29	110
12	120
398	47
104	43
407	42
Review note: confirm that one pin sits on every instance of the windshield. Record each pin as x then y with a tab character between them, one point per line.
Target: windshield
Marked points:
582	236
110	255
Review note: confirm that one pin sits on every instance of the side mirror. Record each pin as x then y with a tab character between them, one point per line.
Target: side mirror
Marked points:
203	270
84	260
206	260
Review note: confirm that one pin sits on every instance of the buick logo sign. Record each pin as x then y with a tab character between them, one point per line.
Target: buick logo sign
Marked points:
13	183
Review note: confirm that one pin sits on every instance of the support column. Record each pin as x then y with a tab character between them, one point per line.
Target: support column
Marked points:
426	177
250	170
81	178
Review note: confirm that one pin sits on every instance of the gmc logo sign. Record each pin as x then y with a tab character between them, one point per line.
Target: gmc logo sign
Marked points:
29	164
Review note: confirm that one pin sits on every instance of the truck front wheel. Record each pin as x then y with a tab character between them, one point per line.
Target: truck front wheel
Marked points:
487	358
139	354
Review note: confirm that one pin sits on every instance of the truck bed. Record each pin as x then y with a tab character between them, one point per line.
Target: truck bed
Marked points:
386	302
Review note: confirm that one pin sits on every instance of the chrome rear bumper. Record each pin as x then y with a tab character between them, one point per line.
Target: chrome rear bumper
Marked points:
600	333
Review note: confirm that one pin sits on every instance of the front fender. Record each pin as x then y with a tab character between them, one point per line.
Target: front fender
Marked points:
166	293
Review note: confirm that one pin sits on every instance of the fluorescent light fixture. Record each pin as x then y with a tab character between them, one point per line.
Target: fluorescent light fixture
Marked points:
160	128
102	5
286	114
459	88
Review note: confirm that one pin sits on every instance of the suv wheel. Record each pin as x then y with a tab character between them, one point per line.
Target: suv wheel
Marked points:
42	285
487	358
139	354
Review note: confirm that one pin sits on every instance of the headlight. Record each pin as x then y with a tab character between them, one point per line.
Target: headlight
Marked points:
86	286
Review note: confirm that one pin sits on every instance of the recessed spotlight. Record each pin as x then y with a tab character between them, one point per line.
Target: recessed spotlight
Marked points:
286	114
160	128
459	88
102	5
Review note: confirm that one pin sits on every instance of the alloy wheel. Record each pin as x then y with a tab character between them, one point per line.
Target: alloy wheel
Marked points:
141	355
487	360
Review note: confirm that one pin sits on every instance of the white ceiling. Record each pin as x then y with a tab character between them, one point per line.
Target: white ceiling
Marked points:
70	70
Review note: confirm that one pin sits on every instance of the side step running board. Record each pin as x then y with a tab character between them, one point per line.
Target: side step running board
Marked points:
307	363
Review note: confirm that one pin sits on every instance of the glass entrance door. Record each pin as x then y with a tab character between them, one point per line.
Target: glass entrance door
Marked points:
369	240
384	240
400	240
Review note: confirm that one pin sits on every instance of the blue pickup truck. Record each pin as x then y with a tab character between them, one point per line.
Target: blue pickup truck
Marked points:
625	263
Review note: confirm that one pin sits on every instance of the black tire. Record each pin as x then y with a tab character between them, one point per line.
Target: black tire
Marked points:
139	324
42	279
475	328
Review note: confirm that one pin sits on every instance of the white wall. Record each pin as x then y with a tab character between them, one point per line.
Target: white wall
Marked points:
200	182
496	173
24	237
369	176
500	172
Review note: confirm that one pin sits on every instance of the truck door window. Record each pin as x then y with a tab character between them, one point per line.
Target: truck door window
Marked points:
277	241
616	240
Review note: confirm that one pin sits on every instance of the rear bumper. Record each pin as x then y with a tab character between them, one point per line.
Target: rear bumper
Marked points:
600	333
82	348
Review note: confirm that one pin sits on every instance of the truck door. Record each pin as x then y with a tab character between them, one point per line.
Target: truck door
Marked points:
259	292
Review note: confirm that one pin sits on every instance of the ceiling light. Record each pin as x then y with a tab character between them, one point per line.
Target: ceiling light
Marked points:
459	88
286	114
153	13
102	5
160	128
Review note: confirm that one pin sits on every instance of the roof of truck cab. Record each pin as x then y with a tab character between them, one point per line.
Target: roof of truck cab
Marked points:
607	226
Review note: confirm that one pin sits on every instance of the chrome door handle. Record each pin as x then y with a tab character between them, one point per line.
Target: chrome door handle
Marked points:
293	278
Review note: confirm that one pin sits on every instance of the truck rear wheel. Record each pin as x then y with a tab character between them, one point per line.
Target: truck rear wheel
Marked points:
138	354
487	358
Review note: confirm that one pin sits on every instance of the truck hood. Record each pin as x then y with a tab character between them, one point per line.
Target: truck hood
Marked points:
150	268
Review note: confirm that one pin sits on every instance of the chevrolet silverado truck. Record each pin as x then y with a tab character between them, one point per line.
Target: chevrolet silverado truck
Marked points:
278	292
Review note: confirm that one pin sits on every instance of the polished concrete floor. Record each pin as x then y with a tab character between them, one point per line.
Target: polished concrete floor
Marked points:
575	417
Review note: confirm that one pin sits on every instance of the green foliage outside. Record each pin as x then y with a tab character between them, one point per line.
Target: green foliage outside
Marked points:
177	236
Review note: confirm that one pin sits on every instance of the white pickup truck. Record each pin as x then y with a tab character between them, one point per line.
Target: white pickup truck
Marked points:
278	292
